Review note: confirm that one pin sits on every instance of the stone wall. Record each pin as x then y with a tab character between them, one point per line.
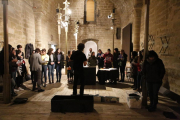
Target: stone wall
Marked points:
165	21
20	22
99	31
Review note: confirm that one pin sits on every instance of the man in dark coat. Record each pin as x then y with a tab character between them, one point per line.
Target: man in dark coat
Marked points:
153	72
79	59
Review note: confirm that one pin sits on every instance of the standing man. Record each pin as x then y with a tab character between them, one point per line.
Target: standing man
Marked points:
79	58
36	68
90	52
19	47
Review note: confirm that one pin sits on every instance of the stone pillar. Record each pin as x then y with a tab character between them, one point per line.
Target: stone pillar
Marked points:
137	25
38	29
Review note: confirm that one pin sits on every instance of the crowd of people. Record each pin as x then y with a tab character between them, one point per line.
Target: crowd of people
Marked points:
152	69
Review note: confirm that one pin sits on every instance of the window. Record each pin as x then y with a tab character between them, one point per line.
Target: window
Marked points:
90	6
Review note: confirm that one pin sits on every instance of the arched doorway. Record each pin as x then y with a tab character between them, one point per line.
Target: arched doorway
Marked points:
90	44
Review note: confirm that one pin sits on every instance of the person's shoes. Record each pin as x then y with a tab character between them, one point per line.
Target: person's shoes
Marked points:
20	89
41	90
14	94
151	109
16	90
44	85
135	89
34	89
121	81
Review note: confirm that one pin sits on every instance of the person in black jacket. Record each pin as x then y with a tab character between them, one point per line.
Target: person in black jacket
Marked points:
59	62
69	66
51	65
79	59
134	60
115	58
122	64
153	71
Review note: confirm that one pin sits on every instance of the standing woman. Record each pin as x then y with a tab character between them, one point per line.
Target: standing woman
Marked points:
122	64
100	59
153	71
44	57
134	68
51	65
59	61
69	69
92	61
115	58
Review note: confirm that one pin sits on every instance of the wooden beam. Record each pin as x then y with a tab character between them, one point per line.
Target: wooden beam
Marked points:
6	76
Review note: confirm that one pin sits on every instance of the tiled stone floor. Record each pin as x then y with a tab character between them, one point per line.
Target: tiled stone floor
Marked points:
38	106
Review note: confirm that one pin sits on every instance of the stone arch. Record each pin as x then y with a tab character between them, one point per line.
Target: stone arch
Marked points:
93	44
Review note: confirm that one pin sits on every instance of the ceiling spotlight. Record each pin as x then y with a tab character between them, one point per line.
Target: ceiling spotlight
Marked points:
111	28
109	16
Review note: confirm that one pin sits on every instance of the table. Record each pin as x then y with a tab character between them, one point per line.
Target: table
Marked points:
89	75
107	74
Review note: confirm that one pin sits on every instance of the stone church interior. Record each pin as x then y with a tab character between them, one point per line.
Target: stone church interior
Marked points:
89	59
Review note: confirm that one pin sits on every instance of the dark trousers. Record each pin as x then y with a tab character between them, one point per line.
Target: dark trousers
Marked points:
19	81
139	83
69	74
78	75
37	79
32	76
153	89
44	70
58	72
122	70
51	72
135	80
100	65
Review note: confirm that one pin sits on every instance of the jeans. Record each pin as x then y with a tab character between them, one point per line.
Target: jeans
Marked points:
13	81
122	70
69	74
37	79
51	72
44	70
78	75
58	72
153	89
139	83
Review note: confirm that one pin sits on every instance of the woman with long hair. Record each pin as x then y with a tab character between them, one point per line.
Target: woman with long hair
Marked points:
69	66
134	68
122	64
59	62
51	65
92	60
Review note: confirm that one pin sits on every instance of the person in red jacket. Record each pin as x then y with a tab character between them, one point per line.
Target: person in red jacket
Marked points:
108	58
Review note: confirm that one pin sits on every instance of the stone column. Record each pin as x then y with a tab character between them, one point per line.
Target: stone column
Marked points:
38	29
137	25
